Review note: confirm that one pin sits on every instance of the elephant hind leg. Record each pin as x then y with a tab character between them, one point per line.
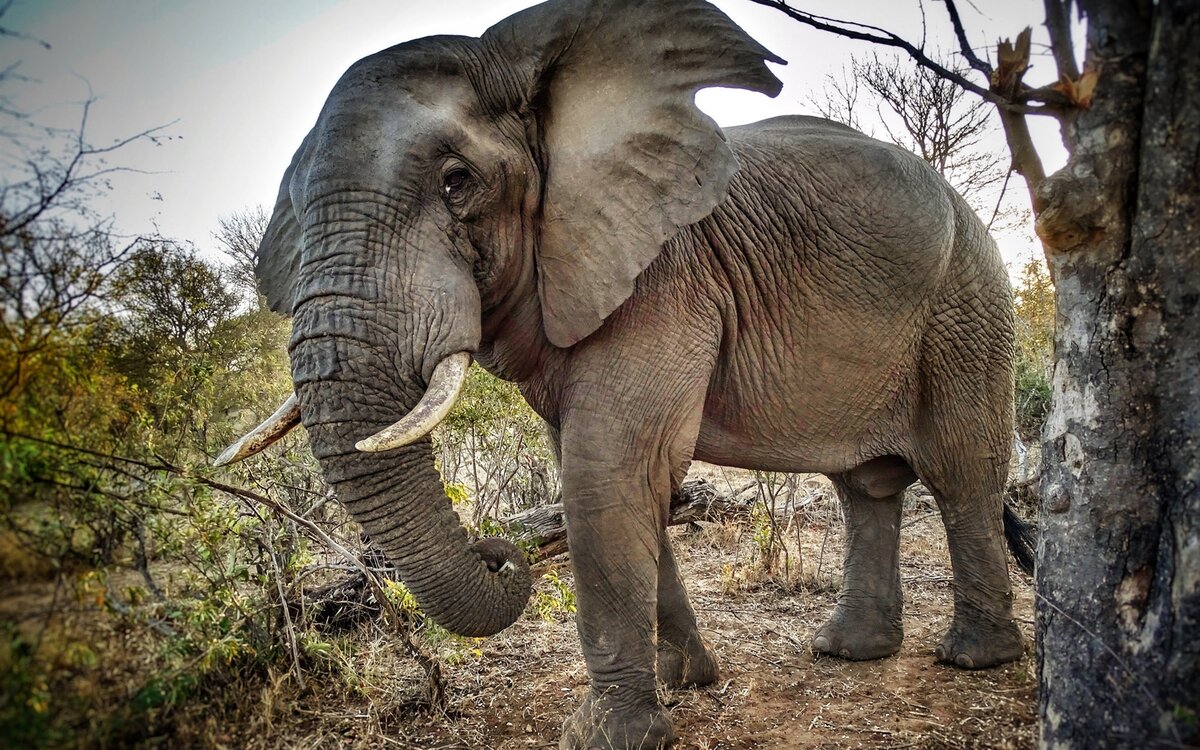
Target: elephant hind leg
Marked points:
966	475
866	623
983	632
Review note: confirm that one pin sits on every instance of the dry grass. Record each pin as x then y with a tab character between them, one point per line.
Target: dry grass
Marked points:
514	690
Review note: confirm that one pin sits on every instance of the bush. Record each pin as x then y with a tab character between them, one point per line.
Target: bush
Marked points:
495	448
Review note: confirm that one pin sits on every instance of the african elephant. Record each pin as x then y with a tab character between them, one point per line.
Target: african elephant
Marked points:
789	295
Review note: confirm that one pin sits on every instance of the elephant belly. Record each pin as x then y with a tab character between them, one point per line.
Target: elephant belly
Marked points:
827	409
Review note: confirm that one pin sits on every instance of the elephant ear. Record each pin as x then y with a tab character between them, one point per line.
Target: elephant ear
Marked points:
629	160
278	258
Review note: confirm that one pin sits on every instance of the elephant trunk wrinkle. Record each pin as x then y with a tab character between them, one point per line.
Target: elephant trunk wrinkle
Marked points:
348	391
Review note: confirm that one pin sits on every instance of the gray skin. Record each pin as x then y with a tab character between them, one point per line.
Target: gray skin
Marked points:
789	295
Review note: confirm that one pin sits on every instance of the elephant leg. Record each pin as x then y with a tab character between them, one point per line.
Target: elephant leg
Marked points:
961	452
866	623
620	442
685	658
983	632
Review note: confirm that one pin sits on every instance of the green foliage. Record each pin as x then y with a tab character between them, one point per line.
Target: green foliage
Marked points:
557	603
1034	301
25	699
159	364
763	535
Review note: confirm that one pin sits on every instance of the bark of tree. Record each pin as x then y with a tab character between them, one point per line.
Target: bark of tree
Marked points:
1118	574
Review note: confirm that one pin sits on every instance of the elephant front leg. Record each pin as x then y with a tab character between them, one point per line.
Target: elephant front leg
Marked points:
618	452
614	535
685	658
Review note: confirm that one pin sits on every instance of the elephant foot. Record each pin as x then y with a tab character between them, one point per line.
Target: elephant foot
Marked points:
859	634
980	644
691	665
606	724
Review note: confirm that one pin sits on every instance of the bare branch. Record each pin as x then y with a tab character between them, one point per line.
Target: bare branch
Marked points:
964	44
1043	101
1058	13
5	31
876	35
1012	60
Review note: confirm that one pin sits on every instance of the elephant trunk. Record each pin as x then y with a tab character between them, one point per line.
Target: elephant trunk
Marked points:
349	390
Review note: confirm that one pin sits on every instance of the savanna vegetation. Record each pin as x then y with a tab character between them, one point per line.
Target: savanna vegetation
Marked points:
147	595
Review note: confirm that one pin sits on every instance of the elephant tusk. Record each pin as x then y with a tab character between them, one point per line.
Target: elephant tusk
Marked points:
273	427
444	386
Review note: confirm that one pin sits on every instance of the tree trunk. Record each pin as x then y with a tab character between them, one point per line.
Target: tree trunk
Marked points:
1118	573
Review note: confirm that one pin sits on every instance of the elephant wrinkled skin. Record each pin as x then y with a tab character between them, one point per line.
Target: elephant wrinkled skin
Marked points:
789	295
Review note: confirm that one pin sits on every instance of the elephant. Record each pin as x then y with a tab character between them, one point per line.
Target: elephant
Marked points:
790	295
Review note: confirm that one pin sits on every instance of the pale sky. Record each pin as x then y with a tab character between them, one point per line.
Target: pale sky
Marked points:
242	82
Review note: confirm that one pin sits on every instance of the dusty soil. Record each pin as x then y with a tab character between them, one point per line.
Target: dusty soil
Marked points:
516	689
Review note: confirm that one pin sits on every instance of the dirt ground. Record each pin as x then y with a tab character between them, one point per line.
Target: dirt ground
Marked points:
515	690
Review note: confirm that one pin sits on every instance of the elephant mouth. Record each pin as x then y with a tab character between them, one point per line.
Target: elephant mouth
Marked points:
442	392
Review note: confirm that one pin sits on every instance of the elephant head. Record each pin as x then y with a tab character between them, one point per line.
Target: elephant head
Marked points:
549	160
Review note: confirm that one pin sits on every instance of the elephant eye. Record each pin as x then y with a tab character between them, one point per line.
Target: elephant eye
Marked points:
454	181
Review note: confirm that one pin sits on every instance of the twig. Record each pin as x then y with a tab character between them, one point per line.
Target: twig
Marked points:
918	519
964	45
432	668
1000	199
290	629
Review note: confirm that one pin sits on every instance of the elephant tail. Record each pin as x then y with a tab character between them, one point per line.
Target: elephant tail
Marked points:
1021	538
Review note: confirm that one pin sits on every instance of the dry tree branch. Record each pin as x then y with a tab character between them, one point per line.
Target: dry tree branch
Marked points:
1012	60
1058	23
964	45
5	31
1006	87
876	35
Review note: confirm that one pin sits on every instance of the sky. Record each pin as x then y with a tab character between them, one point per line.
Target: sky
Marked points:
235	85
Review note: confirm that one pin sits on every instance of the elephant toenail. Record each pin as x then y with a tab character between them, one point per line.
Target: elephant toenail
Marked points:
821	643
940	653
844	653
964	661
